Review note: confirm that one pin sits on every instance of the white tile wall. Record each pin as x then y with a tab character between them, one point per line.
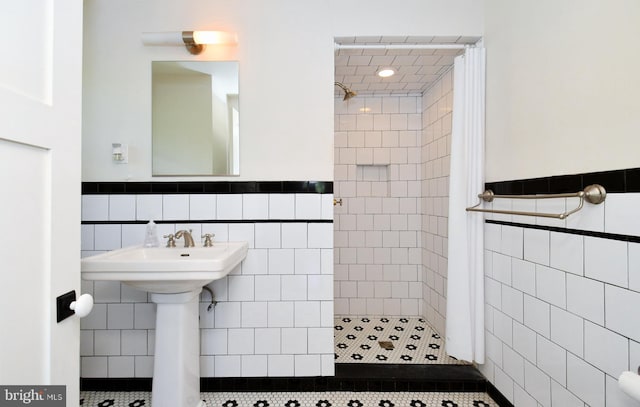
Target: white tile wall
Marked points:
619	303
560	396
617	204
562	310
567	330
122	207
255	206
585	297
613	358
377	175
536	246
435	141
392	168
280	365
552	360
148	207
202	206
551	285
585	381
537	383
277	305
611	268
95	207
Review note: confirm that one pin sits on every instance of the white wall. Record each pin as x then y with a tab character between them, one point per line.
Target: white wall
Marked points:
562	83
285	52
562	79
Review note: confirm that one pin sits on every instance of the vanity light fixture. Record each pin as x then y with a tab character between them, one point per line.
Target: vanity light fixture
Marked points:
386	72
194	41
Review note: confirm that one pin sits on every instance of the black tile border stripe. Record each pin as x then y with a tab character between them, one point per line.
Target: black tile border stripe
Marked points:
615	181
193	221
603	235
208	187
349	377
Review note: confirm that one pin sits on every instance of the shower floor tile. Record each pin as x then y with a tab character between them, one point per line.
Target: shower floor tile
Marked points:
306	399
357	340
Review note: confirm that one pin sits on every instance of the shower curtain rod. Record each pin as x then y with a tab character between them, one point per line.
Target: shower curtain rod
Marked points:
402	46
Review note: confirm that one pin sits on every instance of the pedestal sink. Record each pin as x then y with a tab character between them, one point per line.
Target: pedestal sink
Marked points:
174	277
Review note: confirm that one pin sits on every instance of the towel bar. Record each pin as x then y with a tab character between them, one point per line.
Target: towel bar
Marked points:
594	194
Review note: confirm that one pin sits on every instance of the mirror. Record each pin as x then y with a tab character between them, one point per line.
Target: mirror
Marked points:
195	118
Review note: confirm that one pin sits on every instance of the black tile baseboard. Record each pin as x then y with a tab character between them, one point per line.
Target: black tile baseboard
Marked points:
616	181
208	187
405	377
498	397
113	384
349	377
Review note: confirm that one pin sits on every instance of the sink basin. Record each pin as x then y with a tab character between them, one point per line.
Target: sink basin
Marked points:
165	270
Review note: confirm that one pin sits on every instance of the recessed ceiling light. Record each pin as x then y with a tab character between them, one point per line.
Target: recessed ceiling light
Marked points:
386	72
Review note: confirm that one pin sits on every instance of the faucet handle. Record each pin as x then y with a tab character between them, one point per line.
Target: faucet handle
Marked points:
172	241
208	242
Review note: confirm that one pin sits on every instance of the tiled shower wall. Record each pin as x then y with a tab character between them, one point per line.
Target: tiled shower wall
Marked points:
377	228
274	315
436	153
562	302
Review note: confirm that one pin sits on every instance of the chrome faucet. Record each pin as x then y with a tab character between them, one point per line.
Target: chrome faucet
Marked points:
188	239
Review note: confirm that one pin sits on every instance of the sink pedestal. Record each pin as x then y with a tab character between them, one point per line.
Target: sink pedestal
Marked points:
176	364
174	277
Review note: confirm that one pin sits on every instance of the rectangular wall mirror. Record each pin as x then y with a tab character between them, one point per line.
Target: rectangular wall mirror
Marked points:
195	118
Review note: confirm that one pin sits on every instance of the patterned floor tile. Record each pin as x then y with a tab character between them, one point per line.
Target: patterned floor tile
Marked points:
115	399
357	340
307	399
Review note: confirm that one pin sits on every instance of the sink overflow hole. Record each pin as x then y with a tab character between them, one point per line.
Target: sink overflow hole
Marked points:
184	255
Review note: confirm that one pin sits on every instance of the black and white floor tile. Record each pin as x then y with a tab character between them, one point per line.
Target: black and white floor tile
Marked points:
307	399
357	340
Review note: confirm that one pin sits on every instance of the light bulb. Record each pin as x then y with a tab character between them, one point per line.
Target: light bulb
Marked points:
214	37
386	72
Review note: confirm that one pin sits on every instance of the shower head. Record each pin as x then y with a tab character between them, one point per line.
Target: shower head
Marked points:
348	93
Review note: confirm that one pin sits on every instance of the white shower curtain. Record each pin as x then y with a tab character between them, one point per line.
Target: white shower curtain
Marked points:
465	281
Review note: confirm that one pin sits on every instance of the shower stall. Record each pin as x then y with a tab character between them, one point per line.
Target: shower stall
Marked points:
392	156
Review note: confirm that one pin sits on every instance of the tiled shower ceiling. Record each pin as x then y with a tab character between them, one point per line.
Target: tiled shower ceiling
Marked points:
416	69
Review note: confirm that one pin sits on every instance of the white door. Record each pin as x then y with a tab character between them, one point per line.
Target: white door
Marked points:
40	113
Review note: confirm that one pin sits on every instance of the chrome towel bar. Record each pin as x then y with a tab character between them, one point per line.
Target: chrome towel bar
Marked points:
594	194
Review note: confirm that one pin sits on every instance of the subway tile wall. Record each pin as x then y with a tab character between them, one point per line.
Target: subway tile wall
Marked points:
274	315
377	233
561	308
436	153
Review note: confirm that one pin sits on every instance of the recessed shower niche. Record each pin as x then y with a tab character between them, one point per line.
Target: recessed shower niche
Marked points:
373	179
